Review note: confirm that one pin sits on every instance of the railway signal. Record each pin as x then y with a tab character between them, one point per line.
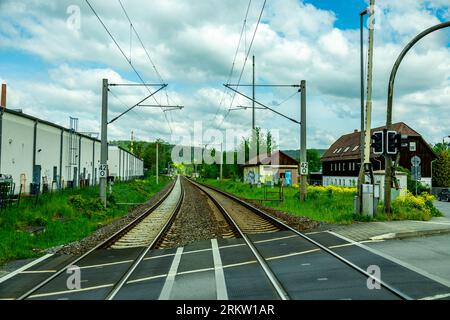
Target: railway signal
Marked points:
378	142
393	143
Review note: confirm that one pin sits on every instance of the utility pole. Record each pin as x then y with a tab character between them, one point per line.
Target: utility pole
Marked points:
361	175
303	158
367	195
367	142
104	143
221	161
157	162
253	102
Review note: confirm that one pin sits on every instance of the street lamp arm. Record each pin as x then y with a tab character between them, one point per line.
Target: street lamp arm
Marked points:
388	162
399	61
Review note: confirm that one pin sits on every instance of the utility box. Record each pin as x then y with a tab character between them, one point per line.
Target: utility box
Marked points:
367	197
376	197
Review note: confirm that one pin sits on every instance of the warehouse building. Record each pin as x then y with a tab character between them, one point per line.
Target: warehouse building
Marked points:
40	155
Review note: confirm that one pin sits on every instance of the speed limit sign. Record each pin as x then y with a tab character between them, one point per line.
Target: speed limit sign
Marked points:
304	168
103	170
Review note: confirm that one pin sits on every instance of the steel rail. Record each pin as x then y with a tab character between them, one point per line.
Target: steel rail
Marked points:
103	244
324	248
144	252
269	273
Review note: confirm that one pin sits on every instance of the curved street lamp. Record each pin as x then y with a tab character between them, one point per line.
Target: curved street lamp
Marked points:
388	162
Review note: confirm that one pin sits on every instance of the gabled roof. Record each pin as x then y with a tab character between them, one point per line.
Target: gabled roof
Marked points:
276	158
347	147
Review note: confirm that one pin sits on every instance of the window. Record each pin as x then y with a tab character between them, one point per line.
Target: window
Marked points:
335	150
355	148
339	150
339	167
343	166
346	149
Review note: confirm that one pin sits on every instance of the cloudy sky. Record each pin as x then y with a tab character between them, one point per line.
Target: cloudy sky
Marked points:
53	61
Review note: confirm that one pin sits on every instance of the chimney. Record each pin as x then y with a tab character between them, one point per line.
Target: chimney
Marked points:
3	99
355	131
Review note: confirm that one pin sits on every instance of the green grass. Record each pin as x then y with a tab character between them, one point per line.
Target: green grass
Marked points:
66	216
320	206
333	204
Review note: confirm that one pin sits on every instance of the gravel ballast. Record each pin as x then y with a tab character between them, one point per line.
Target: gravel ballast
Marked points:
100	235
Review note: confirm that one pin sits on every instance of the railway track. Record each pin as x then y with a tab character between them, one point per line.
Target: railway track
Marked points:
267	240
145	232
250	220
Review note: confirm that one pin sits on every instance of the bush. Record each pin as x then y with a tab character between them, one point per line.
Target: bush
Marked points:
414	207
87	207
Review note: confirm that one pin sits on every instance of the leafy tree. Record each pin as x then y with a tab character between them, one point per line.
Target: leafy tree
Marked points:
441	169
313	158
439	147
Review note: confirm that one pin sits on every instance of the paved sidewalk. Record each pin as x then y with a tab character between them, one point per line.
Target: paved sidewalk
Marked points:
398	229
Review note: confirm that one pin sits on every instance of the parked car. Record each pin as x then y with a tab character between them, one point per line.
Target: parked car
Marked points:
444	195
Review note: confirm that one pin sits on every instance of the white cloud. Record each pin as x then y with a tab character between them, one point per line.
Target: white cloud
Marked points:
193	43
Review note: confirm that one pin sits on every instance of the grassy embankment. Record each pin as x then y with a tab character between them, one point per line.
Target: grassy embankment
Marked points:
66	216
332	204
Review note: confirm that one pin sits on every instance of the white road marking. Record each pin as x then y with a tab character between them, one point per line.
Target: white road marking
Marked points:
232	246
196	251
322	279
70	291
161	256
221	286
39	271
147	278
195	271
292	254
32	263
306	264
315	232
106	264
167	289
438	296
352	244
277	239
239	264
400	262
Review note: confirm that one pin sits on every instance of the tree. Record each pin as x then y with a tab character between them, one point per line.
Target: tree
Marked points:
313	158
441	169
438	147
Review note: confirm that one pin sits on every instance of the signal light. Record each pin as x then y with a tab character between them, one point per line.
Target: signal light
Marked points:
378	142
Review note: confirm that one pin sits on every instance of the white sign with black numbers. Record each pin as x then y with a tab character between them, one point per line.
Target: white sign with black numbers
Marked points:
304	168
103	170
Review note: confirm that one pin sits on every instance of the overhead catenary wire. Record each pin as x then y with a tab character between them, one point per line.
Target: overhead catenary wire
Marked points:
143	47
124	55
149	58
230	75
245	61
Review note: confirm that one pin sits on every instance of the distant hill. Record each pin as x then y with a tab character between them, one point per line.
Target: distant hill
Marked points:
296	153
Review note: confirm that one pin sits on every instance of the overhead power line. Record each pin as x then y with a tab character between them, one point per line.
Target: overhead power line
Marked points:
235	57
245	61
148	56
124	55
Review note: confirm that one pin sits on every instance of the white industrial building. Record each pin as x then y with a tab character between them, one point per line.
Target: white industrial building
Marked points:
35	151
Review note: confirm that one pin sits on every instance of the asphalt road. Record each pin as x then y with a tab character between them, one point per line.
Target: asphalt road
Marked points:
428	254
